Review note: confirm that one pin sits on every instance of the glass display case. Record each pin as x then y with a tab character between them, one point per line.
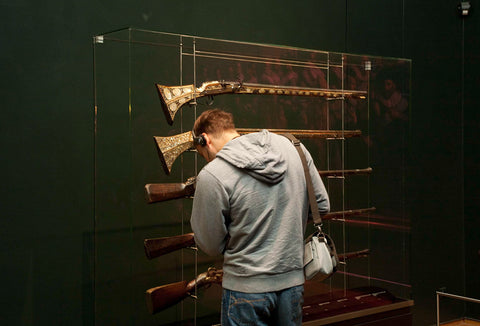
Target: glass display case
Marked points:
365	99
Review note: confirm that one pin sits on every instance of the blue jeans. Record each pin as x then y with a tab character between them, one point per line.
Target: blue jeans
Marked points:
269	308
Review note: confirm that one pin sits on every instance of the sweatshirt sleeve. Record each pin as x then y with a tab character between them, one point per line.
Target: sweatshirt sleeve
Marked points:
209	211
321	194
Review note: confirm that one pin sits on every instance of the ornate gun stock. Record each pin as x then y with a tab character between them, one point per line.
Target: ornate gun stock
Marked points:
172	98
170	147
162	297
160	246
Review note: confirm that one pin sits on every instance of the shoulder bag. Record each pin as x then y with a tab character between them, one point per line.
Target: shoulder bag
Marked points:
320	256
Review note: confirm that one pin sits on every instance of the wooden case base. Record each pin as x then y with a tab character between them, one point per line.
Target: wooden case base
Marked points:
370	306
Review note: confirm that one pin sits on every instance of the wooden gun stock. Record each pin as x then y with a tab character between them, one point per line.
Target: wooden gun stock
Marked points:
160	246
162	297
158	192
170	147
172	98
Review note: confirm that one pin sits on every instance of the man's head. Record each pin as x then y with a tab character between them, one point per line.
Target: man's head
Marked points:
211	131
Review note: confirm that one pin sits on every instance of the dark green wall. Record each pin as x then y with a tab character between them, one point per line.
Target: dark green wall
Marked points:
47	164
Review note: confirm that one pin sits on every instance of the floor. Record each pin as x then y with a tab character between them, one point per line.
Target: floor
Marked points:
463	322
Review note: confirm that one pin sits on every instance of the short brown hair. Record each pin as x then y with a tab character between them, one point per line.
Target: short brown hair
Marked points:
213	122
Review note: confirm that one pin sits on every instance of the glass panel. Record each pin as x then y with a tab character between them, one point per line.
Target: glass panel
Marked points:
128	64
453	309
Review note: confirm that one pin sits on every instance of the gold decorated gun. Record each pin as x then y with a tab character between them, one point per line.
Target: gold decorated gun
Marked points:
170	147
172	98
158	192
156	247
161	297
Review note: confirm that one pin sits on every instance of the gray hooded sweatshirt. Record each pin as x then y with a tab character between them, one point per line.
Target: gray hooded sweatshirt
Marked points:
251	205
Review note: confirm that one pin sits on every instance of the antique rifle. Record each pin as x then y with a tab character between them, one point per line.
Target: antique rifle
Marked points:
162	297
160	246
172	98
170	147
158	192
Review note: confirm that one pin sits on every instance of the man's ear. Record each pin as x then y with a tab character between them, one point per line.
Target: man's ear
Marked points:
206	139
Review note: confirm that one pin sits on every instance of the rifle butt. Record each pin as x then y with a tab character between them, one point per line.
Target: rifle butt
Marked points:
160	246
161	297
172	98
157	192
170	147
168	115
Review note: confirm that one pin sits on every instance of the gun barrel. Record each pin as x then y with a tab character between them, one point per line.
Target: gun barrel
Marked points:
353	254
350	212
341	173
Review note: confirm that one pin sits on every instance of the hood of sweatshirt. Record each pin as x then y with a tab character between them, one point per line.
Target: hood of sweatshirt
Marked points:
256	155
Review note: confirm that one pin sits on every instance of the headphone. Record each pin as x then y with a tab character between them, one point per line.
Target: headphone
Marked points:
200	140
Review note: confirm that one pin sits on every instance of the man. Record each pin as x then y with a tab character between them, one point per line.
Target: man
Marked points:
251	206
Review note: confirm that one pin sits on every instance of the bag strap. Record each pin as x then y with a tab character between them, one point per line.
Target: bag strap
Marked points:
317	220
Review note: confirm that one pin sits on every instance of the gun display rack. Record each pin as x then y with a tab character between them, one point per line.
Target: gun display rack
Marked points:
144	188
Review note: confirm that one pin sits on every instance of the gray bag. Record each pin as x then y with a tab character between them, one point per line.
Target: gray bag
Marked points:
320	256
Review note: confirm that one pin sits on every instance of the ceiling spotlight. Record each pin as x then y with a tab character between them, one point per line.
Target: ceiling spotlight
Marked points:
464	8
